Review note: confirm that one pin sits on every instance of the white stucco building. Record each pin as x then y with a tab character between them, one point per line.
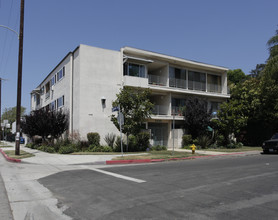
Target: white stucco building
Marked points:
87	80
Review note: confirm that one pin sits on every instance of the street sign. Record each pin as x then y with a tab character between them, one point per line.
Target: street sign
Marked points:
120	118
115	109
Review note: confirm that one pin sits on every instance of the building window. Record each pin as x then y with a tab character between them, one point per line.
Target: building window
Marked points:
53	80
60	102
196	81
61	74
132	69
214	83
53	106
42	90
47	90
177	77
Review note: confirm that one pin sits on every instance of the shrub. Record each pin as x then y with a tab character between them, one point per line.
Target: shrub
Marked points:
143	141
117	145
67	149
186	140
46	148
234	145
32	145
110	139
93	138
158	148
132	143
93	148
82	145
204	141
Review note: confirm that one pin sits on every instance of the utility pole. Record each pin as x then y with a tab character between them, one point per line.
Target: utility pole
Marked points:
19	79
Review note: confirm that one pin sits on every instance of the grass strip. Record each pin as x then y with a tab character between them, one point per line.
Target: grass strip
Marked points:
23	154
242	149
156	155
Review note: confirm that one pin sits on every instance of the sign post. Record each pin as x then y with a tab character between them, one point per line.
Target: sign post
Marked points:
121	122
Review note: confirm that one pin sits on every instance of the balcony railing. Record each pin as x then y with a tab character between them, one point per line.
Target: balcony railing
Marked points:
47	95
157	80
214	88
177	110
160	110
193	85
178	83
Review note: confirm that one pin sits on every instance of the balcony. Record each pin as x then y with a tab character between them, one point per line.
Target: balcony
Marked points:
177	110
214	88
160	110
178	83
193	85
47	95
157	80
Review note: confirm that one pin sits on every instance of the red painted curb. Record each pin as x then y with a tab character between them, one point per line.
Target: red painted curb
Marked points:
162	160
9	158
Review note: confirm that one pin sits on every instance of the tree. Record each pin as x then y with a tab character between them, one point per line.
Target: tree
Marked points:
257	73
45	124
236	76
10	114
273	45
196	116
136	108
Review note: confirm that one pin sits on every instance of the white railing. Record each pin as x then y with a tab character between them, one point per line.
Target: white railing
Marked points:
214	88
193	85
160	110
157	80
178	83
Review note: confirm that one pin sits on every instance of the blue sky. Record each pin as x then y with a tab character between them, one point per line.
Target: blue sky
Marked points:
232	34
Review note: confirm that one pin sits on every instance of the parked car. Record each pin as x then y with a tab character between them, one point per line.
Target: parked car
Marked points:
271	145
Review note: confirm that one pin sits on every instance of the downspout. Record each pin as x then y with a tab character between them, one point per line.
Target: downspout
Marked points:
71	93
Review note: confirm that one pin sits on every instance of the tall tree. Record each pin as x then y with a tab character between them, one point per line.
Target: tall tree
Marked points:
45	124
135	106
10	114
273	45
196	116
236	76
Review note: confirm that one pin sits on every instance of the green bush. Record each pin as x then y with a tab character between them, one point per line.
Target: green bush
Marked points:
143	141
186	140
203	141
46	148
110	139
82	146
32	145
93	148
93	138
67	149
234	145
117	145
132	143
158	148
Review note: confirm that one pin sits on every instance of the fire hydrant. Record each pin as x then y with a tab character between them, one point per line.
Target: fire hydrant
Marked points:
193	148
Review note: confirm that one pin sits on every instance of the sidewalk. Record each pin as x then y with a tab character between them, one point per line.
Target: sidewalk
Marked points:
66	159
5	209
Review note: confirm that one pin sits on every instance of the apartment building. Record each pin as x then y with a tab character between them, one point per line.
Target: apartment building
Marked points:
86	81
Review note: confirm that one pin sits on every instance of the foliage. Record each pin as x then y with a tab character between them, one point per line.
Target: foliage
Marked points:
186	140
143	141
67	149
46	148
158	148
94	148
93	138
236	76
135	107
10	114
110	139
45	123
273	45
117	145
82	145
258	72
196	116
204	141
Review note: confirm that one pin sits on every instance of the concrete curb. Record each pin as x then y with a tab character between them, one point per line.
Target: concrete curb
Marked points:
9	158
111	162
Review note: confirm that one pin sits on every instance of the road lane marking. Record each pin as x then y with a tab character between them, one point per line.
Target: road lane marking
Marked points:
119	176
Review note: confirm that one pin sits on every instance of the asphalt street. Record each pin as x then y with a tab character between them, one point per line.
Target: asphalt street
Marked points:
241	187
